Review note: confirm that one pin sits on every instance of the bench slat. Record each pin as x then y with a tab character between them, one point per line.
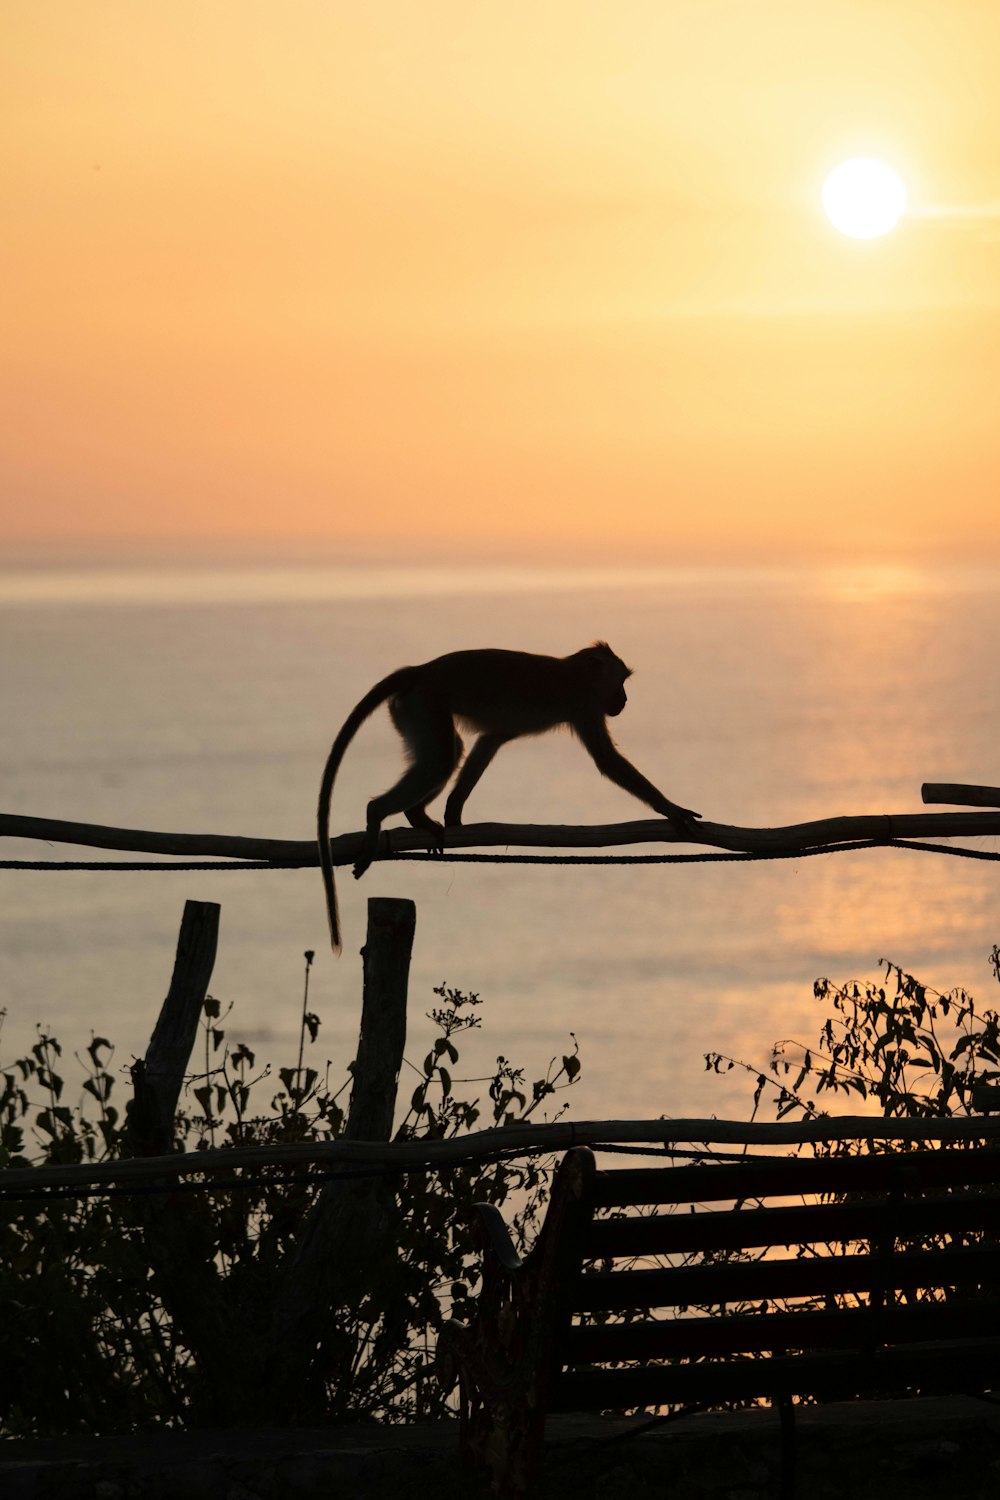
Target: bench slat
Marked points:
860	1328
886	1173
828	1223
960	1365
762	1280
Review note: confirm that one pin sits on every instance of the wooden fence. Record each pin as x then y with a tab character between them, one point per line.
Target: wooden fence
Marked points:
158	1078
366	1141
349	1222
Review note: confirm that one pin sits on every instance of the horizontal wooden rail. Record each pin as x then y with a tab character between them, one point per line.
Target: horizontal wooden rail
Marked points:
960	795
477	1145
820	833
145	841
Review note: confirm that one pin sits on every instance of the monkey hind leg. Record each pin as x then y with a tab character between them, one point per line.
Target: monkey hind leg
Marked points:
435	750
418	817
397	799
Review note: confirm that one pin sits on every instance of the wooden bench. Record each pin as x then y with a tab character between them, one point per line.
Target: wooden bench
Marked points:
892	1287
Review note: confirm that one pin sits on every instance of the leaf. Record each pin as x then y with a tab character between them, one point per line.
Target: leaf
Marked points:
571	1066
95	1047
51	1081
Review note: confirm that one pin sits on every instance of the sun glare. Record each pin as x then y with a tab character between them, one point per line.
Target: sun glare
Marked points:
864	198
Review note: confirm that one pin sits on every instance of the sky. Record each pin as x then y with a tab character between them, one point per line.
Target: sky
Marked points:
540	281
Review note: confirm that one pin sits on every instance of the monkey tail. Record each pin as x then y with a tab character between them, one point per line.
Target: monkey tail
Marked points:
394	683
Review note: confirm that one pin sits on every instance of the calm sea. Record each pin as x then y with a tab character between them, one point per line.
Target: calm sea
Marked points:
206	701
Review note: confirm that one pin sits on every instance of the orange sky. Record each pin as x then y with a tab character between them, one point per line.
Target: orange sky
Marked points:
542	279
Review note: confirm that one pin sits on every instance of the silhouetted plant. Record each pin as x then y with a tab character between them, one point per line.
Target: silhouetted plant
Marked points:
87	1338
913	1052
900	1044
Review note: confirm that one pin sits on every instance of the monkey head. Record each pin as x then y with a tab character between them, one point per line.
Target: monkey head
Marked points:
609	675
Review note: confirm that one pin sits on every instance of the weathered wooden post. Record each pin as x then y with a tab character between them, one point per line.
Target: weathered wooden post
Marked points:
157	1078
175	1224
386	958
349	1231
244	1371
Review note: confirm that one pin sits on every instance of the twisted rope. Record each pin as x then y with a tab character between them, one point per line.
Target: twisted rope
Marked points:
454	857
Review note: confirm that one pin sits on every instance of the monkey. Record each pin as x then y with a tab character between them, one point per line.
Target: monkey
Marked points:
503	695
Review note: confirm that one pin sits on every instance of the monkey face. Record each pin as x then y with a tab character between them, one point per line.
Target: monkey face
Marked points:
609	675
612	695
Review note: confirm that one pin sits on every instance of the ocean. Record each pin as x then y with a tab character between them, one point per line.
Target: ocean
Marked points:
205	700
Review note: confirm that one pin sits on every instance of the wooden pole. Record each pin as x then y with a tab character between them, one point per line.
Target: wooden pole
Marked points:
960	795
347	1238
479	1145
177	1231
386	958
157	1079
147	841
787	839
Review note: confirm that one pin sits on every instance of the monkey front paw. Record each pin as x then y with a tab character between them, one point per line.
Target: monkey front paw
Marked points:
682	818
430	826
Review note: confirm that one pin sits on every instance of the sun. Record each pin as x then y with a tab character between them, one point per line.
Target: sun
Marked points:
864	198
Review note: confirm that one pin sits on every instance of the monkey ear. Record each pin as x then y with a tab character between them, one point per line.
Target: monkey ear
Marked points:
595	662
601	659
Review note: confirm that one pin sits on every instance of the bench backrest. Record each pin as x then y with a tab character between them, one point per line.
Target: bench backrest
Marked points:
837	1276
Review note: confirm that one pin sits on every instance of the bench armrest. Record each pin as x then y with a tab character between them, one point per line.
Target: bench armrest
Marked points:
496	1236
503	1358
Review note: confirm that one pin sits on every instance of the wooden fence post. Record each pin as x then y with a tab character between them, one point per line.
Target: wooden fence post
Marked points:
175	1225
386	958
349	1230
346	1237
157	1079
